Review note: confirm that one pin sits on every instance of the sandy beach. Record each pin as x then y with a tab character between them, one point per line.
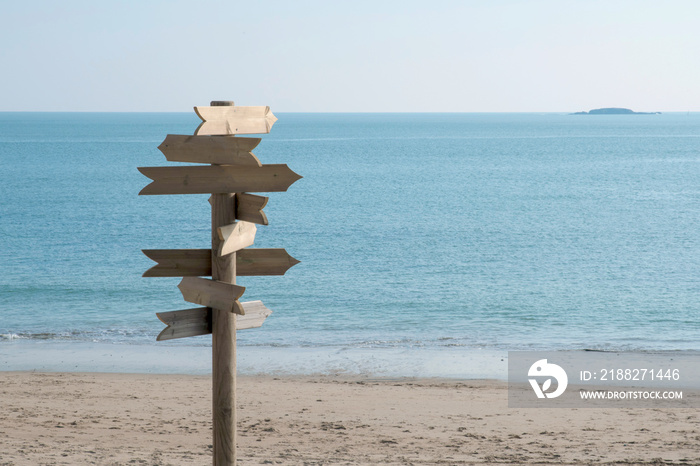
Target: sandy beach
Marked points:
124	419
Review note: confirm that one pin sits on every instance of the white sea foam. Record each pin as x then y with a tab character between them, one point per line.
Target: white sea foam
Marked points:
372	362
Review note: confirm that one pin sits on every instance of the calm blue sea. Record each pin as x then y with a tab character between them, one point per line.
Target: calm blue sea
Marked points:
419	234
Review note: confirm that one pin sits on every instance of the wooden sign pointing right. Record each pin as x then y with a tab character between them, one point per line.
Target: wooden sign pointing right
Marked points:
259	261
234	120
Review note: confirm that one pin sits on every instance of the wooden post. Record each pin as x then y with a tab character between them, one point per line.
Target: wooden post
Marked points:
223	329
223	269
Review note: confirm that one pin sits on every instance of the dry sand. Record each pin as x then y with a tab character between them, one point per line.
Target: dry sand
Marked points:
115	419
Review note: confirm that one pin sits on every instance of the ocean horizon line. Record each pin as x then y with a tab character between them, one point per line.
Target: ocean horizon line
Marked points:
284	112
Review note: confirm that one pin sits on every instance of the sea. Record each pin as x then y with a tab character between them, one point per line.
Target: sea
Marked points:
430	244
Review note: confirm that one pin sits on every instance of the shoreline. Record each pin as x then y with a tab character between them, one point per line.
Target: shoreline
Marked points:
110	418
52	356
454	363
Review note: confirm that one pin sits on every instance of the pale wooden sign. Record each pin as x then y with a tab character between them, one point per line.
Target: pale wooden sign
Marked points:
255	315
197	321
218	179
234	120
235	237
249	208
224	150
212	293
197	262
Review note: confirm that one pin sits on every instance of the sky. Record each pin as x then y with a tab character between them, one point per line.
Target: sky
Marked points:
350	56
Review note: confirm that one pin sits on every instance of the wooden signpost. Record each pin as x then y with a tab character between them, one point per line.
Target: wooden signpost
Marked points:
233	172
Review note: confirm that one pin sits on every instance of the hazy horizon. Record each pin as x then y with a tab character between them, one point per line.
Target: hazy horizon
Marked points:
573	113
540	56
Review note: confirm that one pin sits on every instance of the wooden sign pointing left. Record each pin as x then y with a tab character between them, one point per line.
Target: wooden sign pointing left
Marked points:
218	179
179	262
249	207
225	150
197	321
212	293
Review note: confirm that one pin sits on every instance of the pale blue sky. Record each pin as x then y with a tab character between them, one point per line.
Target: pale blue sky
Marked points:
349	56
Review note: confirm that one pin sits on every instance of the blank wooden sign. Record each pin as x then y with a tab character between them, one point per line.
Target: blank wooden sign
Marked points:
223	150
218	179
236	236
197	262
249	207
212	293
197	321
234	120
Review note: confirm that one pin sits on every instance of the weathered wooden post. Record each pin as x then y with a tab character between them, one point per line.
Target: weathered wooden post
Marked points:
233	170
223	338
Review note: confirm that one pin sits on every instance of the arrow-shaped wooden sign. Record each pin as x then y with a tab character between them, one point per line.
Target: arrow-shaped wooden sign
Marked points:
179	262
234	120
197	262
218	179
212	293
223	150
197	321
185	323
249	208
255	262
236	236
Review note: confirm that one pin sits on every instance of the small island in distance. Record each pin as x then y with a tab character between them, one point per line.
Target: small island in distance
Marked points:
615	111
